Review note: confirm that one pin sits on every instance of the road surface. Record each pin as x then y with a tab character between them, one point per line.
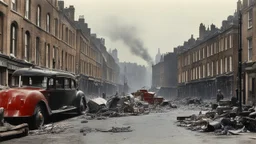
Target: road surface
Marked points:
157	128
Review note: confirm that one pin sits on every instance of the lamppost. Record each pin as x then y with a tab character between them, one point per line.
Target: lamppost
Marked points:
240	62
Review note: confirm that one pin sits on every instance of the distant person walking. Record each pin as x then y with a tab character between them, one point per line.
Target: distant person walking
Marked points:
219	96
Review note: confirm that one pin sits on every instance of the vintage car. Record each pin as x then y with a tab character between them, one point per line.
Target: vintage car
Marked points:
36	94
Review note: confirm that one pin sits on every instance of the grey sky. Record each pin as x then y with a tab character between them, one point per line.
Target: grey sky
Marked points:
160	24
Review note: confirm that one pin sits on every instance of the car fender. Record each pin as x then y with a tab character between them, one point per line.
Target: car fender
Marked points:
30	103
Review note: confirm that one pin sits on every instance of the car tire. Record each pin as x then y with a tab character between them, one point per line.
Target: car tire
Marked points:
82	106
38	118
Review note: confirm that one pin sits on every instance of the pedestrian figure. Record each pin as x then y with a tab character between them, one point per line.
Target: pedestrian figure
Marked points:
104	95
219	96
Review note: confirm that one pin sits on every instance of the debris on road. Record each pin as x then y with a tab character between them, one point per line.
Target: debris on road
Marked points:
84	121
50	129
96	104
7	130
223	119
117	129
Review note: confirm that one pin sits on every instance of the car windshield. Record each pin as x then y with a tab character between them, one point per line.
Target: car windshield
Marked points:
31	81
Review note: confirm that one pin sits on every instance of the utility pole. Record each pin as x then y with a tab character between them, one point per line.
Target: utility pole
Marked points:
240	62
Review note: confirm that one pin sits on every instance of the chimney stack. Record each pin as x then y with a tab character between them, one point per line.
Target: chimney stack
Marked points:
61	5
72	12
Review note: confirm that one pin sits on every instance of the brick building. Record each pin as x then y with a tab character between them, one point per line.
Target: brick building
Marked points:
209	63
164	75
248	9
44	34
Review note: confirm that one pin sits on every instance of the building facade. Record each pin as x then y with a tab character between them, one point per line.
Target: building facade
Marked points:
209	63
248	10
44	34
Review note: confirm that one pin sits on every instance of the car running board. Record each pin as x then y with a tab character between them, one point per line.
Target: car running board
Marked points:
63	110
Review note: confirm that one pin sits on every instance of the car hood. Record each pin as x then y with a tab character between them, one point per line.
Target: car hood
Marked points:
15	93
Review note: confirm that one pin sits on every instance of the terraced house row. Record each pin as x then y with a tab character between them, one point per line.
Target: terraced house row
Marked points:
44	34
209	62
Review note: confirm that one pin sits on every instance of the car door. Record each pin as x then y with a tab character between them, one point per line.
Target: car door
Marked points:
56	93
69	91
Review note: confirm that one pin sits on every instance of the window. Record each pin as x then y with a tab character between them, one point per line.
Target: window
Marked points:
67	83
203	53
215	49
211	49
14	5
27	9
217	67
230	64
59	83
208	69
63	31
37	51
199	70
56	24
250	15
230	41
47	55
48	21
226	64
38	16
66	35
221	66
203	71
13	47
226	43
27	46
73	84
212	69
196	72
250	49
51	83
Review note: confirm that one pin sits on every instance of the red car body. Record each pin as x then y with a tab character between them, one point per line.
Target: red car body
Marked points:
41	93
150	97
21	102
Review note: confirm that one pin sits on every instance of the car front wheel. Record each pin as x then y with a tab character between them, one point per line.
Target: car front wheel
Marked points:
82	106
38	119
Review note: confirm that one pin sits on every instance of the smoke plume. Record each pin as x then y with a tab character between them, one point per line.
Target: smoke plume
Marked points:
128	35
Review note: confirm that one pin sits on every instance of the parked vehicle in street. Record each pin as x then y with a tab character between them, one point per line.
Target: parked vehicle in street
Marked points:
36	94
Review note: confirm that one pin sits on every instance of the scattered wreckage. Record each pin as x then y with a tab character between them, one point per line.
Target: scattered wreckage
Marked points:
7	130
142	102
223	119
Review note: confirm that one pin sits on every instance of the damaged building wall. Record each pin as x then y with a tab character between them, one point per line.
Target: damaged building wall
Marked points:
164	75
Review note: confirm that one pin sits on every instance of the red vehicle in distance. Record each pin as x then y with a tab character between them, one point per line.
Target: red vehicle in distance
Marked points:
37	94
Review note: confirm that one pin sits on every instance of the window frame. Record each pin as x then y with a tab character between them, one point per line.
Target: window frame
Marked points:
250	18
14	5
27	40
38	16
14	36
250	49
48	22
28	9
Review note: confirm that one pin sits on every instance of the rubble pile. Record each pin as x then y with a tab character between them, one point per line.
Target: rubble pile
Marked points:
223	119
117	106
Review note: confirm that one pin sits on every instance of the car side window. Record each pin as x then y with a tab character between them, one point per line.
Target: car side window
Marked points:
67	83
51	83
73	84
59	83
